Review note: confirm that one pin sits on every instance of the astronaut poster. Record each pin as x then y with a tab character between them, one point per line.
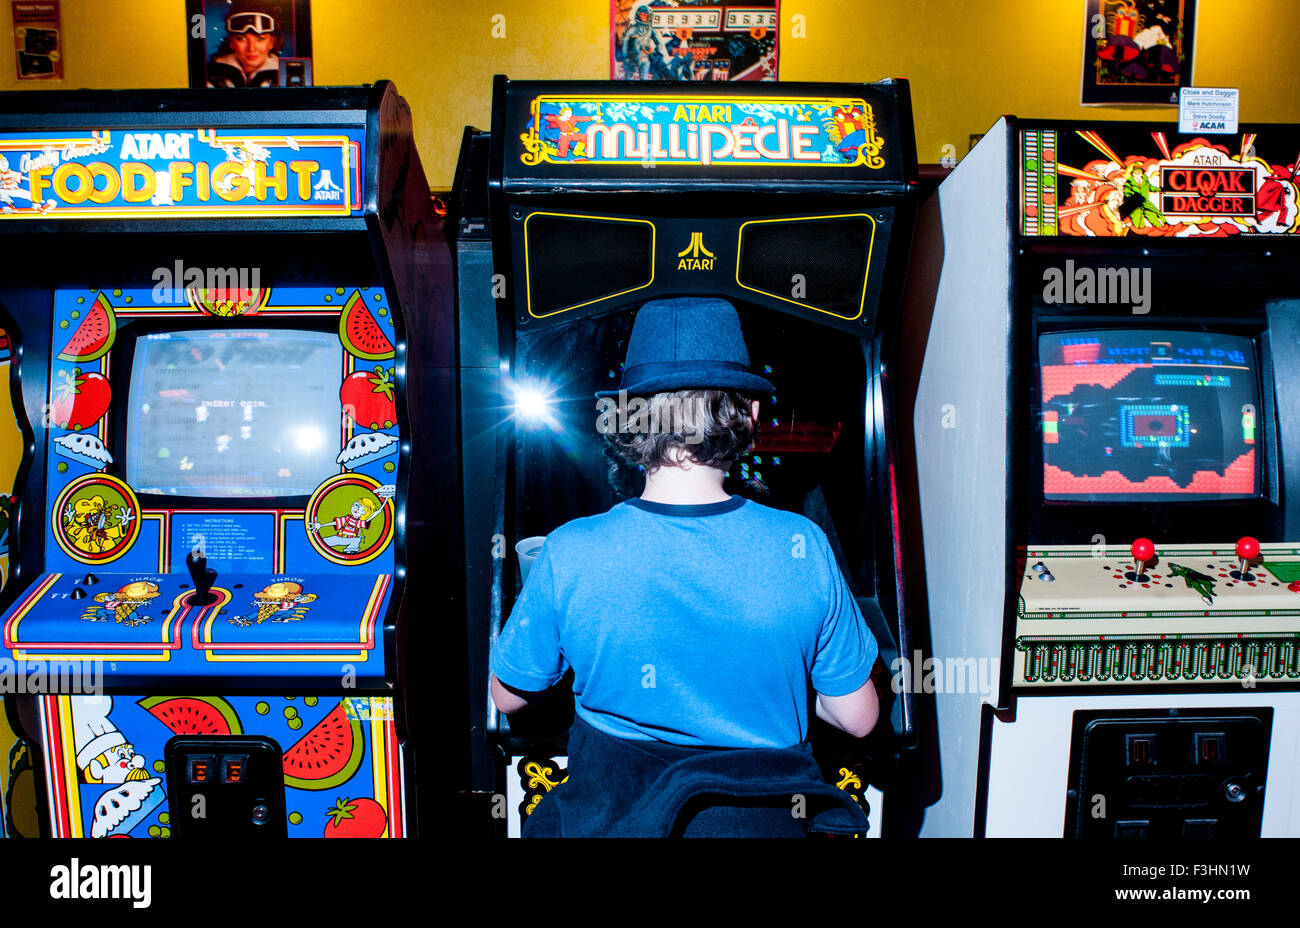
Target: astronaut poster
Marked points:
249	43
1138	51
693	40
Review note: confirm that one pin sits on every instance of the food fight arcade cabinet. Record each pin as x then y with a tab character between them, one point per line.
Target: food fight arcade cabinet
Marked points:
221	316
1107	426
587	200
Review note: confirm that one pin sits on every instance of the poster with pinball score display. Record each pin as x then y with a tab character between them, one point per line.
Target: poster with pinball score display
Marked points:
1137	51
693	40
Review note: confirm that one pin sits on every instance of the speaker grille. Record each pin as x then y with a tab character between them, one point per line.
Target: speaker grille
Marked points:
576	260
830	254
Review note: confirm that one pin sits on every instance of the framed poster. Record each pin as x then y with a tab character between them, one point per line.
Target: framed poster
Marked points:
693	40
38	50
1137	51
249	43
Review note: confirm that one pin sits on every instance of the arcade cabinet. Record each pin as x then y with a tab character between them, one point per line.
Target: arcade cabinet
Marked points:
232	323
585	201
1103	328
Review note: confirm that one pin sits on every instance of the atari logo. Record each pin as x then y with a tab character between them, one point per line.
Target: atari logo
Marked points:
695	257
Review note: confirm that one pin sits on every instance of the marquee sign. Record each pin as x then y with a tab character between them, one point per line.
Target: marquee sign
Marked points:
1124	181
702	130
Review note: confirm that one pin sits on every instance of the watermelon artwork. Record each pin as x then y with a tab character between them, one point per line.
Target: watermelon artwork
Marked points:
328	755
194	715
94	337
361	332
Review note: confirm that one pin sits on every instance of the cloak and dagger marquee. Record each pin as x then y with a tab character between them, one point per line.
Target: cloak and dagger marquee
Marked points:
1198	187
180	173
806	131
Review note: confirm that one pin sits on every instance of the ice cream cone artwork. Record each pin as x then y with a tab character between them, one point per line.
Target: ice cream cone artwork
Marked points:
123	605
282	601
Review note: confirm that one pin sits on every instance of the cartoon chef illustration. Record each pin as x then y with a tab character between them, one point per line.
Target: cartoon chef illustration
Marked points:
104	756
103	753
348	529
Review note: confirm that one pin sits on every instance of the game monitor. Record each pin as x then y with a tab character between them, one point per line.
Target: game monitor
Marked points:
1148	415
232	414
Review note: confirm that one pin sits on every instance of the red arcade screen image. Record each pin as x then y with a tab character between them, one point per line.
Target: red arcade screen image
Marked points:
1148	415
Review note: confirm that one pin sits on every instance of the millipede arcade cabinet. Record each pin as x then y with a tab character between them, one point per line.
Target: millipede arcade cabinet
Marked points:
1104	327
585	201
226	312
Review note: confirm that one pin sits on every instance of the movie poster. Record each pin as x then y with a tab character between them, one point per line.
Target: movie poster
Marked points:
1138	51
693	40
37	42
249	43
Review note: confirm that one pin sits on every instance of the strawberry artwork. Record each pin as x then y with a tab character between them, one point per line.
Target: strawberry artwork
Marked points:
367	398
80	400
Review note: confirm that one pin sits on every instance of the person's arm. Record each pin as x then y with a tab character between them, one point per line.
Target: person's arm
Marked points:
854	714
528	653
509	700
845	654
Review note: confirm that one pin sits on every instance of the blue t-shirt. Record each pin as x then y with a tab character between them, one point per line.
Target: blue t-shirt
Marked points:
695	625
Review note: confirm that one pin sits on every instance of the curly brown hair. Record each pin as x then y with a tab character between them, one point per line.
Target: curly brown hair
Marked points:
714	427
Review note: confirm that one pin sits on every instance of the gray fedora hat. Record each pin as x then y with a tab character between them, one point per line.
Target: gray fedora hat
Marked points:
689	343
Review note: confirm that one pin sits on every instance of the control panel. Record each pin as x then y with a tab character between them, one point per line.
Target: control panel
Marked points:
1158	614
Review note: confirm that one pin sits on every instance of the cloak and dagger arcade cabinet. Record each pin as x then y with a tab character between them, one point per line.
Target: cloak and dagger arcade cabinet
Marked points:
1104	329
223	317
587	200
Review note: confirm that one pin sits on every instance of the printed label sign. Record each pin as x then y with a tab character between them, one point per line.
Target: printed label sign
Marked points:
1208	109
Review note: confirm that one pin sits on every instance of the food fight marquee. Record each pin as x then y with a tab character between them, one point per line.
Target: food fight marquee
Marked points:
702	131
180	173
1075	183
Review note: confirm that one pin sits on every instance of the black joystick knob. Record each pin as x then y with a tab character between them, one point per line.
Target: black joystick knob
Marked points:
90	580
79	593
203	579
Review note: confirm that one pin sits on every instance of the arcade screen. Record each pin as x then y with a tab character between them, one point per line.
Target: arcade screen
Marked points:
1148	415
234	414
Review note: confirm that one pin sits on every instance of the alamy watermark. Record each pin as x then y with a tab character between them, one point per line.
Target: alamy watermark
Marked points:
661	414
39	678
1102	285
172	281
919	674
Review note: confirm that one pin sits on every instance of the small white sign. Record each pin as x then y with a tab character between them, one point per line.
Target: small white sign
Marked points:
1208	110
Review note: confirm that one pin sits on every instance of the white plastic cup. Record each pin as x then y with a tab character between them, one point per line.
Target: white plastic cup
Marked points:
528	550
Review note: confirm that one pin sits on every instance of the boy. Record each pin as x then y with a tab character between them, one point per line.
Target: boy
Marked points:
694	621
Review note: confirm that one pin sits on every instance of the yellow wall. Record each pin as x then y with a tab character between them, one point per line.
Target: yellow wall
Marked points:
969	60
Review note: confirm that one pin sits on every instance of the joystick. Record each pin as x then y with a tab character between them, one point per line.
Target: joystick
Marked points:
203	579
1247	551
1143	551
